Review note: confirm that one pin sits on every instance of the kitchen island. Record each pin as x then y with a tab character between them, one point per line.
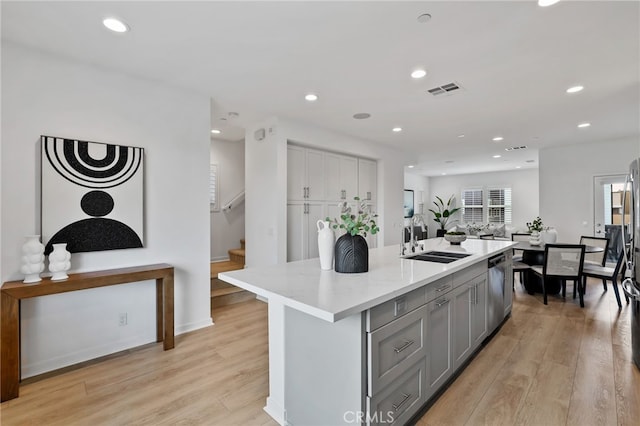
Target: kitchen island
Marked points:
373	347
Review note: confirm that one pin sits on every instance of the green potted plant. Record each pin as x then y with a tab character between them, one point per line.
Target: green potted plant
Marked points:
443	213
351	250
535	228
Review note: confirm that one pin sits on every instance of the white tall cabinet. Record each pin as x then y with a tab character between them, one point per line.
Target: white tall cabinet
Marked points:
317	181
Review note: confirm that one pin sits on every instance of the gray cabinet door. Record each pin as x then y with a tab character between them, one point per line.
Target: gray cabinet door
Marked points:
463	296
439	342
479	311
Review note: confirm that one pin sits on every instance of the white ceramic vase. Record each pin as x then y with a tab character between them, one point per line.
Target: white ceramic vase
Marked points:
326	242
534	239
549	236
32	259
59	262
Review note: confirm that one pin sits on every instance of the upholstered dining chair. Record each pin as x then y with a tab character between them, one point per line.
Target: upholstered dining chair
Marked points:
599	258
518	265
563	262
605	274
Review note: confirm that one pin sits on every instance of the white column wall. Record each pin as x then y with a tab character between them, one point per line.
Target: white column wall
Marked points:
43	94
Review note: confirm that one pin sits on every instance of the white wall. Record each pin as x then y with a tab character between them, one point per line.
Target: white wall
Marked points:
524	190
227	227
266	184
566	182
47	95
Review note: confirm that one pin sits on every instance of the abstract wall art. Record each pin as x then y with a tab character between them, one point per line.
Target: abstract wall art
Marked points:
92	195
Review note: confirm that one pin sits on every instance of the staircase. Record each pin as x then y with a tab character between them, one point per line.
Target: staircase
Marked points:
223	293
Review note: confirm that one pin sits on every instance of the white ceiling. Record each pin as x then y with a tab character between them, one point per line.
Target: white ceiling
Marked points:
514	61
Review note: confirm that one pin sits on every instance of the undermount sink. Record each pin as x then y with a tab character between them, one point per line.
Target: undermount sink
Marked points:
438	256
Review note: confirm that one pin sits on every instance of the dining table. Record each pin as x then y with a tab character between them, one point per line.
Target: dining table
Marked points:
533	254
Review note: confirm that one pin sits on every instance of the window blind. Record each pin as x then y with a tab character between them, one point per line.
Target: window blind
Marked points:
472	205
499	205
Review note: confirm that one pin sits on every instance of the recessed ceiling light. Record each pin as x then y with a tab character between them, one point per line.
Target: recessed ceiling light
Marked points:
497	156
311	97
545	3
582	125
517	167
418	73
498	138
411	166
115	25
461	136
216	131
443	174
575	89
396	129
361	115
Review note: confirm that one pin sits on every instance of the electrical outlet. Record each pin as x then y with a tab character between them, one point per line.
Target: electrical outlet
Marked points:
122	319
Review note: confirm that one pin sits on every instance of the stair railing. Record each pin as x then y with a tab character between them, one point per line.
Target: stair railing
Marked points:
235	201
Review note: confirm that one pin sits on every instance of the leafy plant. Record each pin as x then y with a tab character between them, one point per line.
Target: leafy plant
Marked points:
357	221
536	225
455	233
444	211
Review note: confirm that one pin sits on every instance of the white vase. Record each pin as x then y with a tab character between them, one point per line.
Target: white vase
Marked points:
326	241
534	239
32	259
59	262
549	236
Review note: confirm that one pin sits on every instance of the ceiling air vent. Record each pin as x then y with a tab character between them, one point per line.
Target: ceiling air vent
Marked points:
444	89
516	148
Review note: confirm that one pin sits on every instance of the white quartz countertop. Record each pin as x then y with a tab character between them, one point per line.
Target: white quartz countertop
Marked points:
333	296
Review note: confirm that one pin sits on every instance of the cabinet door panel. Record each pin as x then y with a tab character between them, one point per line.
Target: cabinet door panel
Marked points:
439	338
296	230
296	170
349	177
315	175
315	212
367	179
479	312
332	177
463	297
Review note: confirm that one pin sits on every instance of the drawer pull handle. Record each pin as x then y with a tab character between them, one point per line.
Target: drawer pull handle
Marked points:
443	288
406	397
442	302
407	343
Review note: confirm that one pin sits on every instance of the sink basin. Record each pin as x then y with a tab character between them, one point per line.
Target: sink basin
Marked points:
438	256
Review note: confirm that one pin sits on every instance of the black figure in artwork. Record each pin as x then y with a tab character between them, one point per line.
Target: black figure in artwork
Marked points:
97	233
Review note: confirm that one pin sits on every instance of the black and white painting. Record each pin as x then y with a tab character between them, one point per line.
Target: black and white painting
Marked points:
92	195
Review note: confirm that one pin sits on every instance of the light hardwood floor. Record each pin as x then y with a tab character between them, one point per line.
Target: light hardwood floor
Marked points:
548	365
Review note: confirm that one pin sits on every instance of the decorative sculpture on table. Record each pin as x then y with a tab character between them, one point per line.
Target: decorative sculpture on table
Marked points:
59	262
82	183
32	259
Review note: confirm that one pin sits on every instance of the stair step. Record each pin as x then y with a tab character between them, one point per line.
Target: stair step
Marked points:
231	298
237	255
224	266
224	291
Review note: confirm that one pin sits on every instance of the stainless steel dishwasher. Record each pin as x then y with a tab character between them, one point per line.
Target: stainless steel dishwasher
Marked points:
495	281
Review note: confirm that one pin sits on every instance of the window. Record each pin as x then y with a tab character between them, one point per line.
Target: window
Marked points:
472	206
499	205
213	188
495	208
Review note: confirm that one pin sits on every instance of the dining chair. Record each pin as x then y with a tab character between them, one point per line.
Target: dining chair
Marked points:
518	265
598	258
605	274
563	262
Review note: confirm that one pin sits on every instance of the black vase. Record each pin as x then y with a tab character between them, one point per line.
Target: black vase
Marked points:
440	232
351	254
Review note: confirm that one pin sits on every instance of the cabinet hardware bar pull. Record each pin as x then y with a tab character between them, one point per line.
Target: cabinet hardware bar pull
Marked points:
406	397
443	288
407	343
476	293
442	302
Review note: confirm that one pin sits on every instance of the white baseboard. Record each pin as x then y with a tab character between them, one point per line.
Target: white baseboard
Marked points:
185	328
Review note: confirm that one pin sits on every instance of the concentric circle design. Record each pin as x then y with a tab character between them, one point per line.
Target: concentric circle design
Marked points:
72	160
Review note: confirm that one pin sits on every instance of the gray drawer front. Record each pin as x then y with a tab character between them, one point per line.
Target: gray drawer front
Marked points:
469	273
395	347
395	308
438	288
401	399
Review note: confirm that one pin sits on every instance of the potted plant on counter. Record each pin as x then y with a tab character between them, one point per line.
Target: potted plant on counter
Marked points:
351	250
443	213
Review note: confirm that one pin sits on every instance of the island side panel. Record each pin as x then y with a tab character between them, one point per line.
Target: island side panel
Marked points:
325	377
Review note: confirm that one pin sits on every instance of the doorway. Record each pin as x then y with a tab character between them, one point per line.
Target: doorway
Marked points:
609	213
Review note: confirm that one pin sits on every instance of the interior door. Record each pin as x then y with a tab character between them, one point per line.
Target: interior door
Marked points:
608	213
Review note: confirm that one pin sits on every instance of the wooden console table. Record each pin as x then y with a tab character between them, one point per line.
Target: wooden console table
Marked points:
14	291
